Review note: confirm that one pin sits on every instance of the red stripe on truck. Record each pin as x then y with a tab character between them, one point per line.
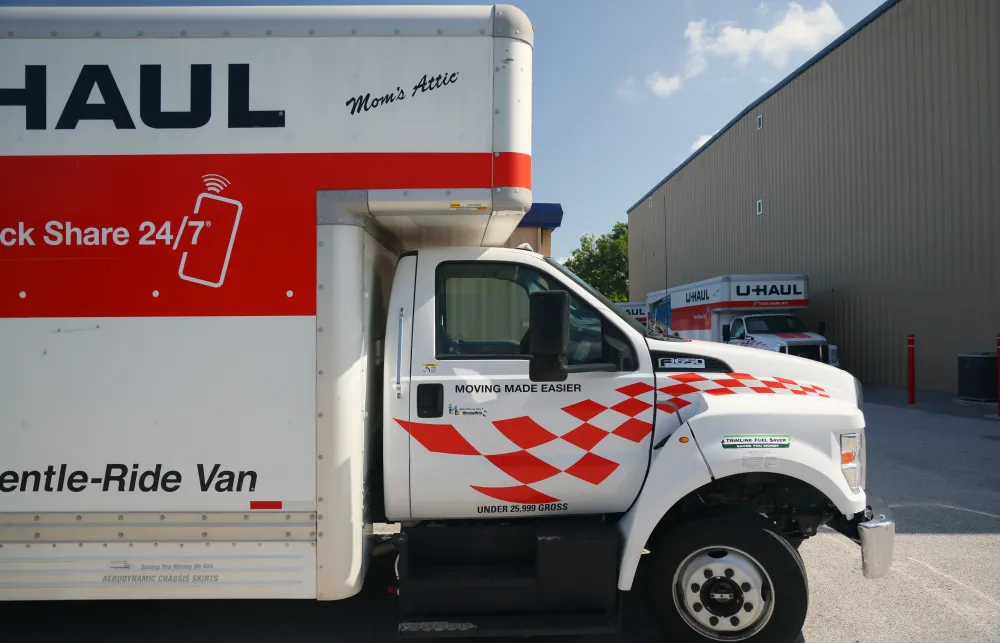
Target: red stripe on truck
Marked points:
525	433
511	169
265	504
118	236
522	495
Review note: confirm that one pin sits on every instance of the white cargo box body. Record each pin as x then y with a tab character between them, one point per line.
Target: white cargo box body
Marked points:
186	356
699	310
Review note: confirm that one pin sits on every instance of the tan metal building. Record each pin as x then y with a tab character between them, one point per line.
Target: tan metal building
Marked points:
874	169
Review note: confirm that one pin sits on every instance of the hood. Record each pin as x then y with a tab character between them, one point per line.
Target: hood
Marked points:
836	382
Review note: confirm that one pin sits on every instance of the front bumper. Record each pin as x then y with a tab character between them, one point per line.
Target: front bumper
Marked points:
875	531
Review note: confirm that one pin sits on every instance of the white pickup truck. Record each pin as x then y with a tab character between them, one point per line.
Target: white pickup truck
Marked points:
252	302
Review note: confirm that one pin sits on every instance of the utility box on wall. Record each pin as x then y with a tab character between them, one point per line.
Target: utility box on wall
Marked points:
977	376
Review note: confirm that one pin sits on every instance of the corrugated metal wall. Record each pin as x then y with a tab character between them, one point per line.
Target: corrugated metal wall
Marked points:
879	172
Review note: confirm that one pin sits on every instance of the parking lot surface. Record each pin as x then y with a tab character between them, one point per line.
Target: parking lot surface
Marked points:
939	472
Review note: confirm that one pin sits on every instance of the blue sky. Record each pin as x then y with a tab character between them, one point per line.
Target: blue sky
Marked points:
623	90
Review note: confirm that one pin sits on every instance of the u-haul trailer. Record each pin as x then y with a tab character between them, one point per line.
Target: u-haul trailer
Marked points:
252	302
747	310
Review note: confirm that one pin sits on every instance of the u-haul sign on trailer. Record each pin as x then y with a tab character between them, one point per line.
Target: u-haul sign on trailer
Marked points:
695	308
755	310
161	261
205	150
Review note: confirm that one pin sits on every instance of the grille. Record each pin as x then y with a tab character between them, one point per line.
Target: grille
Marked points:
809	351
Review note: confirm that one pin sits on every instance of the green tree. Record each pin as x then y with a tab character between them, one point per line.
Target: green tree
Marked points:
603	262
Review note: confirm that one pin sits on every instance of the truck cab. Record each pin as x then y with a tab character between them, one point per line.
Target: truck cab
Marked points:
524	407
782	332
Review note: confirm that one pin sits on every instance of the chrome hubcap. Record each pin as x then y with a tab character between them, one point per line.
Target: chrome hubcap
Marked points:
723	593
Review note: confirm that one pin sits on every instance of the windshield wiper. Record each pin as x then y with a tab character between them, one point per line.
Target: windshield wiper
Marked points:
669	338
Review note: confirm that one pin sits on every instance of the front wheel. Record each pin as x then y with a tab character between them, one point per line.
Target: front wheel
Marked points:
726	578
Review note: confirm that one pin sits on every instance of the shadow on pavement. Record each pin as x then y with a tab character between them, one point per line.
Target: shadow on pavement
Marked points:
937	402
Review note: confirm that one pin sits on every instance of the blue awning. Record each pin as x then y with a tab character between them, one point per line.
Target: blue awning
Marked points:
543	215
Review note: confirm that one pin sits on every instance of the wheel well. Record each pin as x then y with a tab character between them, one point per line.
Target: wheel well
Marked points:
795	507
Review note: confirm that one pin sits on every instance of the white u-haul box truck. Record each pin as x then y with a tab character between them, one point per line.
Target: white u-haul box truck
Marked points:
252	303
747	310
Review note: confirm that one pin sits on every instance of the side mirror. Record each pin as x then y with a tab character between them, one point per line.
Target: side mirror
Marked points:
726	334
548	341
549	319
549	335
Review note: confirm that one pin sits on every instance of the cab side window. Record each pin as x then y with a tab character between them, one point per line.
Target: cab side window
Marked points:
483	309
738	332
586	334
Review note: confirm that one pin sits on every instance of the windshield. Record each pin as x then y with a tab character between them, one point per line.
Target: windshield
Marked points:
772	324
610	305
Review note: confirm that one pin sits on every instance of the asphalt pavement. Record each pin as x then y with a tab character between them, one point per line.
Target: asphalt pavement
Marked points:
938	467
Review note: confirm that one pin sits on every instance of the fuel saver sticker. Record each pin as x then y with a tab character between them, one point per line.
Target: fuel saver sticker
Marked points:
755	441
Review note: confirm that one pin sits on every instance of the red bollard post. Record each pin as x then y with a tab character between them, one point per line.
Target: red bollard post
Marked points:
911	370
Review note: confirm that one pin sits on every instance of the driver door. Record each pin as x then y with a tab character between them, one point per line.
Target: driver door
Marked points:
486	441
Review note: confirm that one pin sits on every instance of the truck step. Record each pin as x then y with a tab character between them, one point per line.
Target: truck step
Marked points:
530	568
513	626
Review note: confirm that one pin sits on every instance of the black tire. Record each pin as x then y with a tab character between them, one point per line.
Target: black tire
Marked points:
748	533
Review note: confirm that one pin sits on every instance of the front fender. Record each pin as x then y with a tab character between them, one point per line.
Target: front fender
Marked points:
812	455
676	470
804	434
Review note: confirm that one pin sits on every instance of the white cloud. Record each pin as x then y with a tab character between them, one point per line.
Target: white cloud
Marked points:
696	62
797	31
663	85
701	141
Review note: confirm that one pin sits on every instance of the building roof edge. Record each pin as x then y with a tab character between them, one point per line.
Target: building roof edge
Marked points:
844	37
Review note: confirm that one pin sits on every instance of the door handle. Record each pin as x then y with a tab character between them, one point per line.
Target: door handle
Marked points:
430	400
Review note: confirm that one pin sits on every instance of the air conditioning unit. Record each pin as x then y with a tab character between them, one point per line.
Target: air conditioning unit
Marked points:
977	376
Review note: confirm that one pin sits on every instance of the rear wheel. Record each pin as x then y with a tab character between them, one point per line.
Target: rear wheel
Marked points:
726	578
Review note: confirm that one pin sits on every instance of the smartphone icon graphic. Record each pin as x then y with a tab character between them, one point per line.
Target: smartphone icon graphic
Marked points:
206	260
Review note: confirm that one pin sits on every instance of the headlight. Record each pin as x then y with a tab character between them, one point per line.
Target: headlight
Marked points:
852	459
859	393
